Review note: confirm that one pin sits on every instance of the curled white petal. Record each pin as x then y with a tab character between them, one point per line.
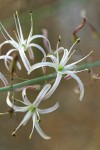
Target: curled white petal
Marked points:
31	54
5	42
42	134
79	83
34	121
48	110
40	36
16	108
64	58
42	94
54	87
27	102
25	60
39	47
39	65
6	60
24	120
4	80
68	66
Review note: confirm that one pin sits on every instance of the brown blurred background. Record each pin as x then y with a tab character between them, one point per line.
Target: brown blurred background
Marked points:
75	125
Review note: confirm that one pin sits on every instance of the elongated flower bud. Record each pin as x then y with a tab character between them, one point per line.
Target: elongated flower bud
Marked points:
12	67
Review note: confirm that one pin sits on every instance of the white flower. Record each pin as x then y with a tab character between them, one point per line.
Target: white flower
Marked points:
32	110
22	45
62	68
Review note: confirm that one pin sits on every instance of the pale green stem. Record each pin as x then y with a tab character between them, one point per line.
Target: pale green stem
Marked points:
89	65
28	82
45	78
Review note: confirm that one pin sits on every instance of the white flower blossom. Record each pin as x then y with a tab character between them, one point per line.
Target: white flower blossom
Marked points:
32	110
62	68
22	45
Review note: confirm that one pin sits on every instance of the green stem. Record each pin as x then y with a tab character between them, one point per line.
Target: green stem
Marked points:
89	65
28	82
45	78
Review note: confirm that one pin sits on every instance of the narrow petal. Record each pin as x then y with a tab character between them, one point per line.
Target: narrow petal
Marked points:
71	68
25	119
8	100
16	108
52	57
68	66
19	27
27	102
14	44
79	83
77	71
67	77
31	31
48	110
74	45
20	109
24	59
39	47
45	33
18	34
4	57
4	80
58	50
41	133
39	65
40	36
5	42
10	51
41	94
6	31
54	87
31	54
57	59
34	121
6	60
64	58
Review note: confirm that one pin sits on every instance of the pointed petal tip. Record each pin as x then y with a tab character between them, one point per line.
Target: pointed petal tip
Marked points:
81	98
48	138
14	133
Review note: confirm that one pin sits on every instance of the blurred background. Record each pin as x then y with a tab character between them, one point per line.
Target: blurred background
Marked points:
75	125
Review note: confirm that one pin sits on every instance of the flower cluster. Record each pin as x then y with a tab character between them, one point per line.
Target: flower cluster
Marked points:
58	60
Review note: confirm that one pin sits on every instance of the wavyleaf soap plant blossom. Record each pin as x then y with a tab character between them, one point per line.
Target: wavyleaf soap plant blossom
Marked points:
22	45
32	110
62	68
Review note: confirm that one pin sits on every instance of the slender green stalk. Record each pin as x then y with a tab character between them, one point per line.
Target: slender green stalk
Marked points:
89	65
28	82
45	78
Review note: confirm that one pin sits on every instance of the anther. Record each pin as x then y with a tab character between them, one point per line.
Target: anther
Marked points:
59	38
39	120
89	70
30	12
78	40
16	14
13	134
